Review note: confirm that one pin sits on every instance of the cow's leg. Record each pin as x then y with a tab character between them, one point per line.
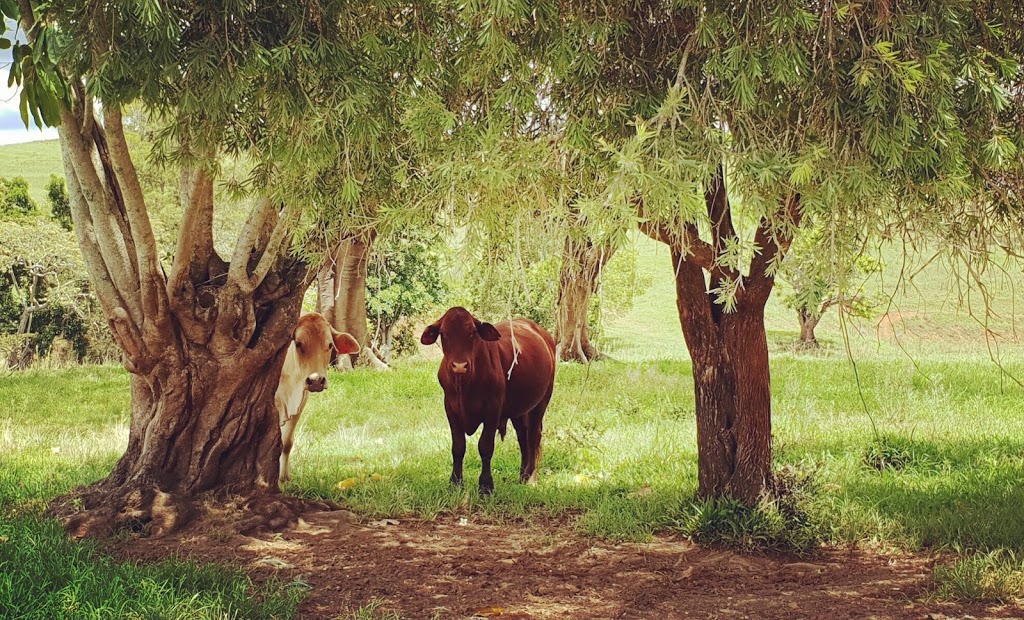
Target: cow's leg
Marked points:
521	424
288	439
536	426
458	451
486	447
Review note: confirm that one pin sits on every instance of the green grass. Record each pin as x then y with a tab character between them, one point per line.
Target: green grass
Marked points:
613	430
45	575
35	161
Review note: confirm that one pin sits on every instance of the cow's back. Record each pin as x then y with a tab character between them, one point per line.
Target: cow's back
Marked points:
533	369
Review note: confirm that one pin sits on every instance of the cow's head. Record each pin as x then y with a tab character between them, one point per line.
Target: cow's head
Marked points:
460	333
315	341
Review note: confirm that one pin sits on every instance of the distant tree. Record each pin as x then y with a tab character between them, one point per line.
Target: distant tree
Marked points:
820	276
405	280
60	206
43	290
14	197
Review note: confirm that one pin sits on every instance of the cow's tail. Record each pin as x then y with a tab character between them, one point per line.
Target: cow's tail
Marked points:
503	428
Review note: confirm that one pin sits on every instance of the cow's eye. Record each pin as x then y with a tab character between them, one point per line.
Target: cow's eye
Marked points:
298	345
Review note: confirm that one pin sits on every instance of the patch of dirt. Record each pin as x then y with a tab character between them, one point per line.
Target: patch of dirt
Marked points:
451	568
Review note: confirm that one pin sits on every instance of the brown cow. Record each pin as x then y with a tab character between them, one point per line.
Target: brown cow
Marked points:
491	374
305	371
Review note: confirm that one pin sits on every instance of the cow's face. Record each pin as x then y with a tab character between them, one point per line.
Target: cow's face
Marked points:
315	341
460	333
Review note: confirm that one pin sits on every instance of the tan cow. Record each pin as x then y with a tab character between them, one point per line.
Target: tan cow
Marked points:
305	371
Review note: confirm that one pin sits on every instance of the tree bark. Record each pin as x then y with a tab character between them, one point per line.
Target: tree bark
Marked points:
341	295
201	426
729	349
582	263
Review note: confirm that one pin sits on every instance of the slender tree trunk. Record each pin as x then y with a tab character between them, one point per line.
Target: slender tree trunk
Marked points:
807	324
341	298
729	349
582	263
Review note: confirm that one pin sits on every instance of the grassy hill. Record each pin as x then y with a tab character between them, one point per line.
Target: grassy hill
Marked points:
35	161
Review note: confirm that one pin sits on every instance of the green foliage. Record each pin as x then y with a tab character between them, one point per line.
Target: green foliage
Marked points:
60	206
14	198
45	574
404	281
993	576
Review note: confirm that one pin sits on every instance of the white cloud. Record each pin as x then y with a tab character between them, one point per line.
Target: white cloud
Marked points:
12	129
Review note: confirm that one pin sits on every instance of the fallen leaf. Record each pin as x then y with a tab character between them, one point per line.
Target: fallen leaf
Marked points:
347	484
376	477
274	562
55	449
686	574
463	521
487	612
384	522
581	479
643	491
4	539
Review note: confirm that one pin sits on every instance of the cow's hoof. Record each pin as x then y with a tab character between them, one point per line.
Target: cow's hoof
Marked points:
456	482
486	489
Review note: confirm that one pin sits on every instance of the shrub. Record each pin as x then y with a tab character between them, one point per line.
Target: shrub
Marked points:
781	521
60	205
14	197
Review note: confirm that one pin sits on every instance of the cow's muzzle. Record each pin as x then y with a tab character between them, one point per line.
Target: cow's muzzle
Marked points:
316	383
460	368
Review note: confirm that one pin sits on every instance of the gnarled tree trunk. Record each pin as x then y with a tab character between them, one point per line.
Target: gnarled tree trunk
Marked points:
204	340
582	263
729	349
341	295
808	322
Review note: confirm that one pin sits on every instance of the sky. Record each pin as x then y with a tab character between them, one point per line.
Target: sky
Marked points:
12	130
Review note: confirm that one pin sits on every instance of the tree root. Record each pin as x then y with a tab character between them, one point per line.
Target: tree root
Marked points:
102	510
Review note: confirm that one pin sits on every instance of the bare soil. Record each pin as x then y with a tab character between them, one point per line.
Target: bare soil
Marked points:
453	568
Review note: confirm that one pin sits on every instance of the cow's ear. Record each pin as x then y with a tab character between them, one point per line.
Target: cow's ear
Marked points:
487	331
430	334
344	343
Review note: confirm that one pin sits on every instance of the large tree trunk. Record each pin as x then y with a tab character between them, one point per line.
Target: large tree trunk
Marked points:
202	425
582	263
808	322
341	298
728	347
204	339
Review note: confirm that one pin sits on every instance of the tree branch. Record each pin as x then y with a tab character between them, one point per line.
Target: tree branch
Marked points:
195	238
687	241
151	278
774	236
257	231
